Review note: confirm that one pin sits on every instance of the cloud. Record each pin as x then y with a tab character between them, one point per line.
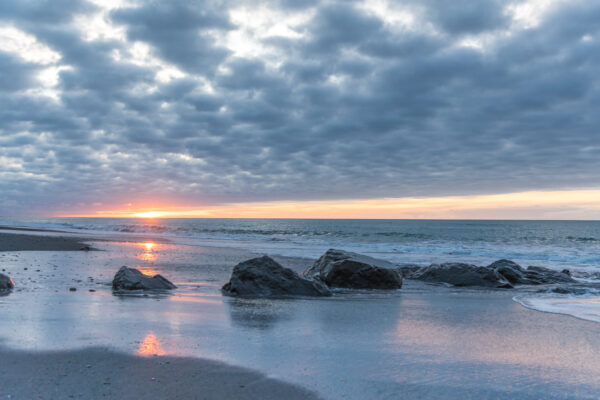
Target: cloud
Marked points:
179	31
459	99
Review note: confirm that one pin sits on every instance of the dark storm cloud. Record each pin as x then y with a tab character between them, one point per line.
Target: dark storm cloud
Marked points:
356	107
179	31
465	16
15	75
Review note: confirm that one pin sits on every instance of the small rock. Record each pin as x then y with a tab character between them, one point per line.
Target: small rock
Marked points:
132	279
6	282
72	289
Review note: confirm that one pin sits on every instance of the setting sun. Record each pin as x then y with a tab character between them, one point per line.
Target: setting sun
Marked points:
150	214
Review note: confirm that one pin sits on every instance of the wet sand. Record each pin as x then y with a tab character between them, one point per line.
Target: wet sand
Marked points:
423	341
23	242
96	373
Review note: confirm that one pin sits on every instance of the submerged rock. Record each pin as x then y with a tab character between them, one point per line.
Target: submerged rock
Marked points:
344	269
542	275
459	274
264	277
132	279
6	282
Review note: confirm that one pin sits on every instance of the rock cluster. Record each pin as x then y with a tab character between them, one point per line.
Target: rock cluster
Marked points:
264	277
132	279
500	274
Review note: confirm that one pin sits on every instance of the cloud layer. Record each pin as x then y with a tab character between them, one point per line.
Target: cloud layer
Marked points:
204	103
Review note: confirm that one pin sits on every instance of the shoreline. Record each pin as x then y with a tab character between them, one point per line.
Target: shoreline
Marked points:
24	242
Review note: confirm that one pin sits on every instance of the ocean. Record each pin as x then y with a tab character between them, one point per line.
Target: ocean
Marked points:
552	244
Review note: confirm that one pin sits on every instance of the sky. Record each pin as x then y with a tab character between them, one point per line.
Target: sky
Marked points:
282	108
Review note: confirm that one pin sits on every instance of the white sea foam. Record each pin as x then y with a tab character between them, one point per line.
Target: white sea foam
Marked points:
586	307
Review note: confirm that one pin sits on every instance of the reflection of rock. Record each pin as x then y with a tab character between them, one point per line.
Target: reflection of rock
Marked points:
264	277
132	279
343	269
6	282
260	313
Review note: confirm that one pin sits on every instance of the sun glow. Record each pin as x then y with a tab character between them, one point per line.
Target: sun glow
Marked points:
566	204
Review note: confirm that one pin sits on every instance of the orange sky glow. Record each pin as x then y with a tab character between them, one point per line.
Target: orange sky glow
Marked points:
573	204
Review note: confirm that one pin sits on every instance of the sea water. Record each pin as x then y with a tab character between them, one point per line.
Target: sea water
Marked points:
574	245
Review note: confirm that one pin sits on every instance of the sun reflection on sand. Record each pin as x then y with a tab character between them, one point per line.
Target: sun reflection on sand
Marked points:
149	251
151	346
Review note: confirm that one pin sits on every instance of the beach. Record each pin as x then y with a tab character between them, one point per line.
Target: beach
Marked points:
422	341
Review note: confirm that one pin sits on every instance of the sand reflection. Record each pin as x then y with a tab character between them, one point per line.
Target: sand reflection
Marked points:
150	346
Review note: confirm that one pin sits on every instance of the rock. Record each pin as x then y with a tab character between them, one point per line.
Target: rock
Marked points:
516	274
6	282
410	271
264	277
512	271
344	269
577	291
459	274
72	289
132	279
541	275
86	248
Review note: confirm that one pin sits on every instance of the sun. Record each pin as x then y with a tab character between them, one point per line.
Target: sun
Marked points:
150	214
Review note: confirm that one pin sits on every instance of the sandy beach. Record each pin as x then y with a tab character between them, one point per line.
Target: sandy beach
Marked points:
422	341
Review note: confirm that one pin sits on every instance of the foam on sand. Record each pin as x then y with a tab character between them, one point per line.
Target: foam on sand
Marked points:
586	307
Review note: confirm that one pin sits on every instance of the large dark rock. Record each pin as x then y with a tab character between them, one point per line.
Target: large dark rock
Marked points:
132	279
264	277
6	282
459	274
344	269
516	274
